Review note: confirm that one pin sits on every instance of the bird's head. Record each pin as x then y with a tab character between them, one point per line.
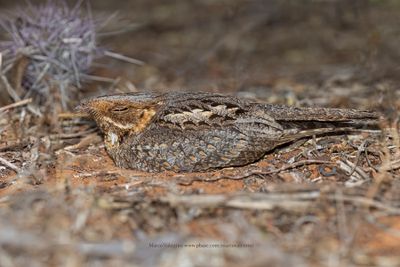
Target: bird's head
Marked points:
120	115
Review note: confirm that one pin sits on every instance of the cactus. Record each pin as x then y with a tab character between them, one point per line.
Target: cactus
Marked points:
59	42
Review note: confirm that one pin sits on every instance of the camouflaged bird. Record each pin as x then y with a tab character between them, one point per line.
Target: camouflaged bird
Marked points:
187	132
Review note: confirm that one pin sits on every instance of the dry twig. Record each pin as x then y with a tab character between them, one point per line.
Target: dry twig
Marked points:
9	164
288	201
247	173
16	104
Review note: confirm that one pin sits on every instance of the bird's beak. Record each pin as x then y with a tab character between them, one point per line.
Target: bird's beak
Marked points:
83	108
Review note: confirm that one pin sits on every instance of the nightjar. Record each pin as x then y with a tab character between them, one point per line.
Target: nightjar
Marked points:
187	132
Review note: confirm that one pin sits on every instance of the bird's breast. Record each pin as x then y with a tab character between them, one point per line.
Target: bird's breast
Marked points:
183	151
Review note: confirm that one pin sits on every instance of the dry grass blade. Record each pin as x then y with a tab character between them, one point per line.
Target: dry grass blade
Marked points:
287	201
249	172
73	135
123	58
9	164
15	96
16	104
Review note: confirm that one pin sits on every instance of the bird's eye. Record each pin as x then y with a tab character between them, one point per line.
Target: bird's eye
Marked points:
120	109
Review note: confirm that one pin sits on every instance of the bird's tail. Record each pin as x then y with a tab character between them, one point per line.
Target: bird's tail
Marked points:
306	122
284	113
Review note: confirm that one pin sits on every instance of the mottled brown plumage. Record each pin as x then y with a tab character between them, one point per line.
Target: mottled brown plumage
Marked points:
186	132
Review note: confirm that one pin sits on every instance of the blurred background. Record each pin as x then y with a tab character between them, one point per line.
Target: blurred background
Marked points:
295	52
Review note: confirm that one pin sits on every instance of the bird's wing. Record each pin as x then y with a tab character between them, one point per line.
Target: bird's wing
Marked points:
206	111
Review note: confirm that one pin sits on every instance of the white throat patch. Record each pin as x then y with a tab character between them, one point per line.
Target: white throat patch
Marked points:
111	140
